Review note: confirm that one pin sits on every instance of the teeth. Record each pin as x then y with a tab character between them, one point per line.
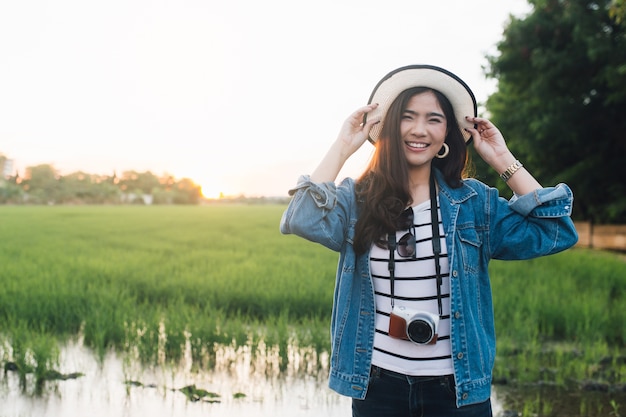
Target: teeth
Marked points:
416	145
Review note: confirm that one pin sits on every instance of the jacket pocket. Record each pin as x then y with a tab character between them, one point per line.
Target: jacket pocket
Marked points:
470	248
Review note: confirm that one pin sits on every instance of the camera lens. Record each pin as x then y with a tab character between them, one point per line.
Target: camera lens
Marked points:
420	331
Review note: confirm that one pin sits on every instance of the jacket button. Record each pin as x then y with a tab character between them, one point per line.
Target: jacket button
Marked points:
454	273
465	395
457	315
460	355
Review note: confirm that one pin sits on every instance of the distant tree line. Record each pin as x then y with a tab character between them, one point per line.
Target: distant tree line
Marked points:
42	184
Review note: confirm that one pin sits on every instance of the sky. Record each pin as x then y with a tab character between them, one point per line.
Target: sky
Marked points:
241	96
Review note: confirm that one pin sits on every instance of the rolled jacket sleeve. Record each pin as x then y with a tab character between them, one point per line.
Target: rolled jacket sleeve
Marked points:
319	211
323	194
545	202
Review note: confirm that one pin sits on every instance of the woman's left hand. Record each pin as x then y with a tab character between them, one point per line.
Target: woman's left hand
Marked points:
490	144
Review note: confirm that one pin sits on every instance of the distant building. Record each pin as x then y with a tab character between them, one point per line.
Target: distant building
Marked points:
6	167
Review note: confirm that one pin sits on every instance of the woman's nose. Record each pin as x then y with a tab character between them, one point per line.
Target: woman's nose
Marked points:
418	128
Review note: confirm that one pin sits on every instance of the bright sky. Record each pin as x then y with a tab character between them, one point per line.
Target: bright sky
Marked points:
241	96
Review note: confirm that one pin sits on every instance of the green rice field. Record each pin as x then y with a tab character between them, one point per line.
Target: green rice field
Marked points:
158	280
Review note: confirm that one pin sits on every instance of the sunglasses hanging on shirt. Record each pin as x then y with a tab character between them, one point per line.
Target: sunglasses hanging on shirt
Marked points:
406	246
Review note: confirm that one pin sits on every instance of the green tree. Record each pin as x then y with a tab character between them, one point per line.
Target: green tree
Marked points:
187	192
11	192
41	184
617	11
81	187
561	100
139	182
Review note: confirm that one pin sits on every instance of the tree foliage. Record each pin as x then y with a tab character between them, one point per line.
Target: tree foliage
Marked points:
561	100
617	10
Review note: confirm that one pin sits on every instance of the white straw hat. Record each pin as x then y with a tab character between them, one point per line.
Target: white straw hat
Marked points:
456	91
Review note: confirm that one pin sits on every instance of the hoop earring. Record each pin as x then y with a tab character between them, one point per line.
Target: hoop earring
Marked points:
446	151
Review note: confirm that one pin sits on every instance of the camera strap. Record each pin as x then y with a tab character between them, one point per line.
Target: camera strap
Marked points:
391	243
436	242
436	239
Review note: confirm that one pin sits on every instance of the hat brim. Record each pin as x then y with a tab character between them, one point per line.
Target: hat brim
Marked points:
456	91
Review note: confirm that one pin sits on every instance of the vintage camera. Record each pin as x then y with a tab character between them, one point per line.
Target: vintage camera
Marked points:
419	327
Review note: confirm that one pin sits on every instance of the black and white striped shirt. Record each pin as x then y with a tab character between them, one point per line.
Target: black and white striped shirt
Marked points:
416	288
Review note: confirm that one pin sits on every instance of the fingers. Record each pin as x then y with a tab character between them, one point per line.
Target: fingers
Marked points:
355	129
355	120
362	111
475	132
483	127
480	123
368	108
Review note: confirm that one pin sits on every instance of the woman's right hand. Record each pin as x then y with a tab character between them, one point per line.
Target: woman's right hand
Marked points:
354	133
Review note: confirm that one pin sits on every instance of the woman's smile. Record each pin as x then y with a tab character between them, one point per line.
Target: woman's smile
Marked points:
417	145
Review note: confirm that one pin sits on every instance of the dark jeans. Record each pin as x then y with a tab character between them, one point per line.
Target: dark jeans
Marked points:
395	395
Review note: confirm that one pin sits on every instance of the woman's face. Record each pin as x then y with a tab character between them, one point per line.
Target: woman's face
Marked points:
423	129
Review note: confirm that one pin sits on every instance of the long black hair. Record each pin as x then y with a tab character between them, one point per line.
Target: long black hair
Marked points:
383	189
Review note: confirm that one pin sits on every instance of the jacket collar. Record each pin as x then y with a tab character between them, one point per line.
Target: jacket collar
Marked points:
454	195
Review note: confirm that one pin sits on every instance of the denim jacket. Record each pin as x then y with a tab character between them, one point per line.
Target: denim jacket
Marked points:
479	225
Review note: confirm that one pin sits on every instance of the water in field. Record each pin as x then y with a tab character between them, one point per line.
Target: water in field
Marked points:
241	384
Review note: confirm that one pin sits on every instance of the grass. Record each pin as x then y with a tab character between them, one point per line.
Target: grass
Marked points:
116	275
154	280
561	318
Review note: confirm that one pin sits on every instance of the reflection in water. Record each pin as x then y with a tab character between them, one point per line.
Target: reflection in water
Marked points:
122	387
